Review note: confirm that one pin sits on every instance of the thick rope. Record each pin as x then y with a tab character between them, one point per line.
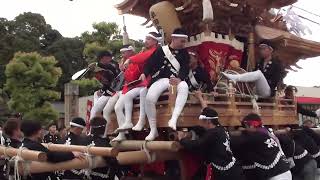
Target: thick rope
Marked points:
91	161
151	157
25	164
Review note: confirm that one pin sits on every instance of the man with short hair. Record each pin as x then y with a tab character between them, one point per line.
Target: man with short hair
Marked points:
97	126
269	72
52	136
11	128
74	138
106	71
198	78
214	146
168	66
33	136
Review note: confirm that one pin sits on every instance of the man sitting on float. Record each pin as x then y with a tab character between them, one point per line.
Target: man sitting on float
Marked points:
168	66
267	75
134	87
107	69
198	78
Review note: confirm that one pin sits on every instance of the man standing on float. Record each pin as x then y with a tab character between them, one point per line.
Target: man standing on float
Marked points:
168	66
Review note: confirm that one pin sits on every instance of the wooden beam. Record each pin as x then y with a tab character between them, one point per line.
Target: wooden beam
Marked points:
98	151
26	154
150	145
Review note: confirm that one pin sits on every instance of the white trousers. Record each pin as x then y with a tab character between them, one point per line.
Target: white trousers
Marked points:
99	102
108	108
128	100
284	176
119	109
261	84
155	91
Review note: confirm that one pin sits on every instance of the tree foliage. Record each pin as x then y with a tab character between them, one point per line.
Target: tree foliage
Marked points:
68	53
87	86
30	80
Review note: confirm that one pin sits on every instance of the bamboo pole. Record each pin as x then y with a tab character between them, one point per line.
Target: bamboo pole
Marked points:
26	154
140	157
42	167
172	146
97	151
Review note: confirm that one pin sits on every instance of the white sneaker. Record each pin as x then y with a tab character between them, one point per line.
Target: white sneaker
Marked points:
152	135
126	126
121	136
139	126
172	124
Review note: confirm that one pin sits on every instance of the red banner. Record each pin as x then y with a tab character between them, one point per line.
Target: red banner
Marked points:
89	107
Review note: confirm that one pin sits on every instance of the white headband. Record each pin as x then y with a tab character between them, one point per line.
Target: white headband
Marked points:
129	48
179	35
153	37
76	125
203	117
265	45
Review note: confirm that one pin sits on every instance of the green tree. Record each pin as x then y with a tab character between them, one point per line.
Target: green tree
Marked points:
87	86
30	80
28	32
4	110
68	53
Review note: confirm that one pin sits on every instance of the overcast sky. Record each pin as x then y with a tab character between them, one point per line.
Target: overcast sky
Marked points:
71	18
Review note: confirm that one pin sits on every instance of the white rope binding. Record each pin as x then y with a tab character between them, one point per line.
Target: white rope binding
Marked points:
91	161
25	164
151	157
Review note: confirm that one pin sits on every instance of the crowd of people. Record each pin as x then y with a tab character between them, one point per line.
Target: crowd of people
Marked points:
256	153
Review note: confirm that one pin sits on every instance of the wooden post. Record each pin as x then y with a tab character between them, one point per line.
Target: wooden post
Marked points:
71	102
251	63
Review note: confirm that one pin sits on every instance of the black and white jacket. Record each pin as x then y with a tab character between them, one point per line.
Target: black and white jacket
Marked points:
308	143
294	150
198	78
72	139
158	66
53	157
108	172
273	72
111	71
263	157
214	145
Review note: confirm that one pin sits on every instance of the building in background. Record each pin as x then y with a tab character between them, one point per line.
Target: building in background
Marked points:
309	97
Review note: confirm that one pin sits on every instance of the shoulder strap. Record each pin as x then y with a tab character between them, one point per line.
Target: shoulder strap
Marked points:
173	61
193	80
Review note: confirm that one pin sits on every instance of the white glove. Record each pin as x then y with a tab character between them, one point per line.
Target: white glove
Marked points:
318	113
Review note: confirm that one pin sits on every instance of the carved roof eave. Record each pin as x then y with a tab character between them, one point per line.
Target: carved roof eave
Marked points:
289	47
138	7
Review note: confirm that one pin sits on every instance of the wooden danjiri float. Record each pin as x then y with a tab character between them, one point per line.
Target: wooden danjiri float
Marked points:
225	34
